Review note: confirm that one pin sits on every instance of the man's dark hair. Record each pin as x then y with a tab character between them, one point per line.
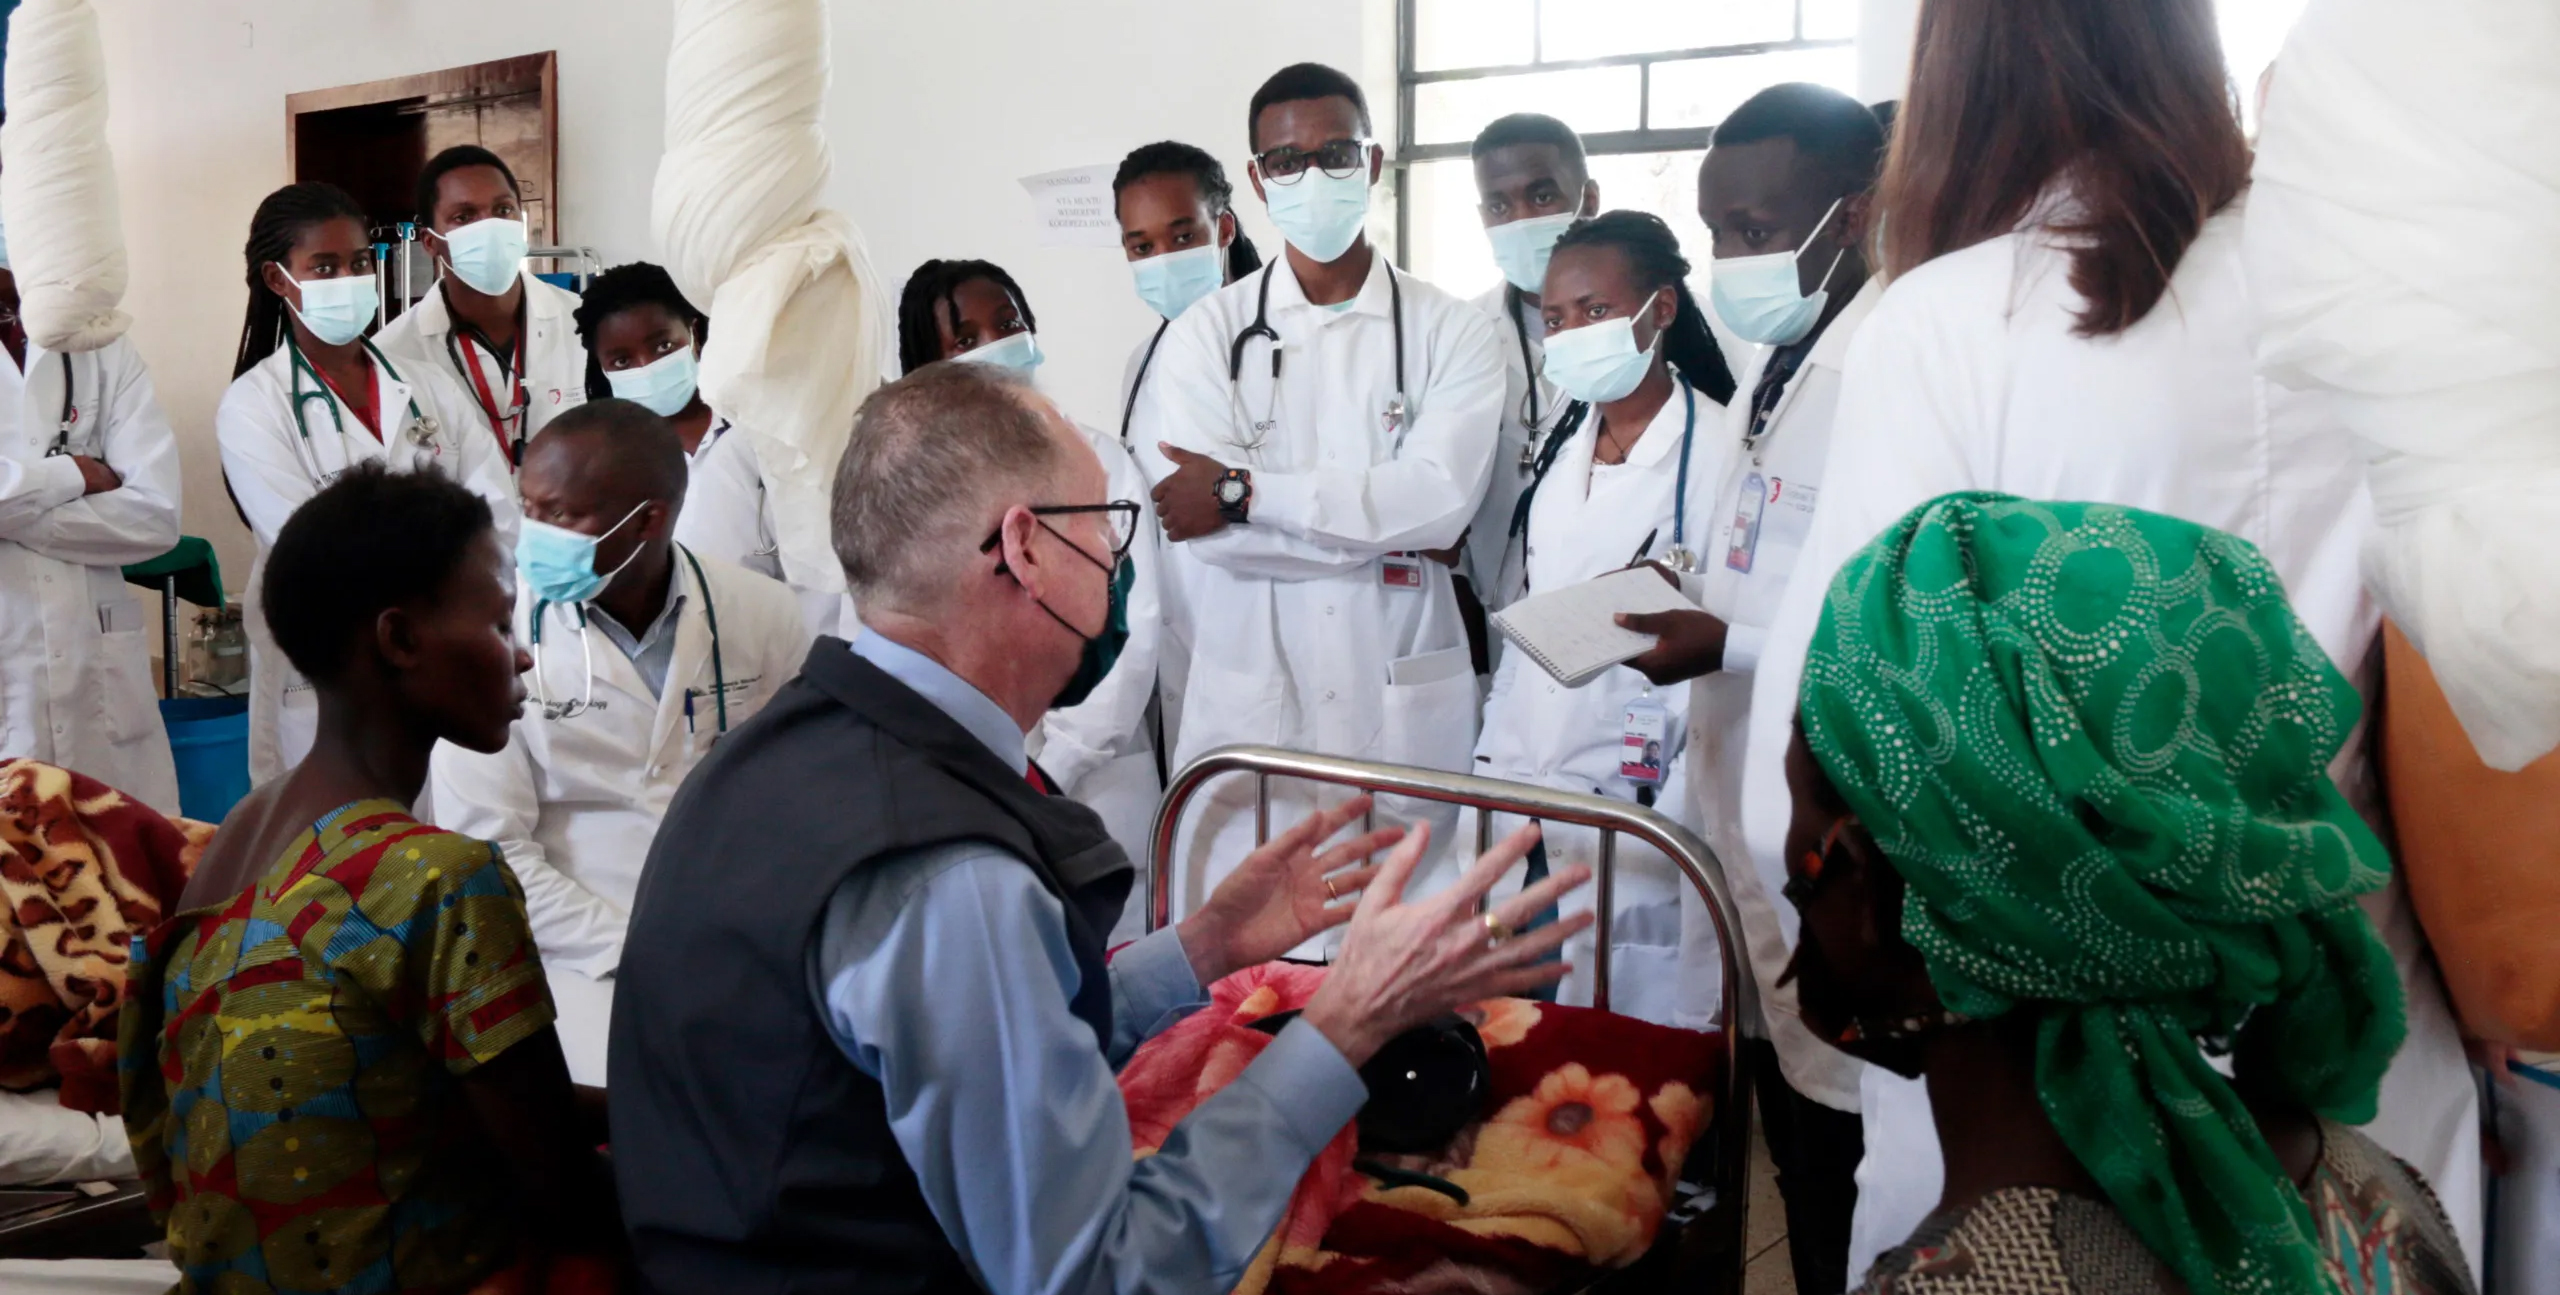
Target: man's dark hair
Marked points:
451	160
642	452
1840	134
1303	81
369	540
1170	157
622	288
934	284
1531	128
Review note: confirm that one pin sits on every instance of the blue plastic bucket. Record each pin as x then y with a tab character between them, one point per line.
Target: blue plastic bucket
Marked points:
209	736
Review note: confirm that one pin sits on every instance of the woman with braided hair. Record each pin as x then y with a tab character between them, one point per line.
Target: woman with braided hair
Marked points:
310	397
2063	830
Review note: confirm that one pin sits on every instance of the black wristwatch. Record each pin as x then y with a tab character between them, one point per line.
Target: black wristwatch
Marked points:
1235	495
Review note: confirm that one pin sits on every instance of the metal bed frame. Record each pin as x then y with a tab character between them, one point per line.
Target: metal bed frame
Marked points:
1713	1232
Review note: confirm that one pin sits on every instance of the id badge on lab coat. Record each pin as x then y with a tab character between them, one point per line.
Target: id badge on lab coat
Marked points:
1648	730
1401	571
1745	543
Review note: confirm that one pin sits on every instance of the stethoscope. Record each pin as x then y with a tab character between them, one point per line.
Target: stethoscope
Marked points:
1677	557
1129	409
1531	407
422	429
587	655
70	416
1261	327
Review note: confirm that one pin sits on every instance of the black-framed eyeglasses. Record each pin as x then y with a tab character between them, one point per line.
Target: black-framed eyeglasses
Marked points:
1124	525
1341	159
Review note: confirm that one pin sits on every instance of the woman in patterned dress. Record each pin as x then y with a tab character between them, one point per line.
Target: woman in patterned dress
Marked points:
2062	829
339	1068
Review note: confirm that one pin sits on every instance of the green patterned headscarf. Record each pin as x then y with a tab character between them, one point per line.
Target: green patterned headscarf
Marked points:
2094	741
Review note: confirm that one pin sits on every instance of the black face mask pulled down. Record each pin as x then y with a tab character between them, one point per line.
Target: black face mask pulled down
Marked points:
1101	650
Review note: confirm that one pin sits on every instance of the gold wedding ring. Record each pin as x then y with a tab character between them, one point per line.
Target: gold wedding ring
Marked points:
1496	930
1329	896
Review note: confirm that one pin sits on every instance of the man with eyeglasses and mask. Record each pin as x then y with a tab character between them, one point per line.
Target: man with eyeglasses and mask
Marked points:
867	1031
644	654
1316	431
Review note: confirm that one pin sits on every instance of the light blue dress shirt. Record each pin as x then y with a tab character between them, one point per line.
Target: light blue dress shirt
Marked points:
653	652
945	974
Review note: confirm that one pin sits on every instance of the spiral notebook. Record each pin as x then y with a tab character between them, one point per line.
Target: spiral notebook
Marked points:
1571	632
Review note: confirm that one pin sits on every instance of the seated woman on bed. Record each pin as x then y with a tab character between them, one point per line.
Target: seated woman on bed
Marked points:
2062	824
339	1068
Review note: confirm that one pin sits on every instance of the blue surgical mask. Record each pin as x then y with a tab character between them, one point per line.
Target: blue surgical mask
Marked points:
1171	282
487	254
1522	247
1019	352
1761	298
559	564
336	310
663	386
1599	363
1319	214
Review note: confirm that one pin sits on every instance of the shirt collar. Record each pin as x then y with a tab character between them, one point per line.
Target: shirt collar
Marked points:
949	693
667	614
1375	296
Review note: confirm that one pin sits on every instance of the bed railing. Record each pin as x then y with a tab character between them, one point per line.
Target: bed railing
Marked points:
1612	818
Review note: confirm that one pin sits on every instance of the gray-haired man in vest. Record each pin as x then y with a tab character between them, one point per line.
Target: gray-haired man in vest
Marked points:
866	1032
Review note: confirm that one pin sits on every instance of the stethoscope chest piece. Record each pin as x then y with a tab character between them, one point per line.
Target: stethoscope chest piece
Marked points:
1680	559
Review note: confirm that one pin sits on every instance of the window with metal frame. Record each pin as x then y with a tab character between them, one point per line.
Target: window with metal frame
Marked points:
1643	81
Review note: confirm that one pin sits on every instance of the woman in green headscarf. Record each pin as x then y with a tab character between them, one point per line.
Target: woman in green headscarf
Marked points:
2062	828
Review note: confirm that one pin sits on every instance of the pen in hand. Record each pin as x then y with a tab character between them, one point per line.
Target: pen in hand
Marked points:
1646	547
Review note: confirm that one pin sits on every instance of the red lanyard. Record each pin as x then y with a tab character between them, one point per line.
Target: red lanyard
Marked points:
511	446
368	412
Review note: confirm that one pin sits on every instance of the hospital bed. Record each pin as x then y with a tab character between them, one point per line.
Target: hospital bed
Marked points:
1700	1245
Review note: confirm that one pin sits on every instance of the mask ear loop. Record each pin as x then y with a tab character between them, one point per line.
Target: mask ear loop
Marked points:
626	558
1827	214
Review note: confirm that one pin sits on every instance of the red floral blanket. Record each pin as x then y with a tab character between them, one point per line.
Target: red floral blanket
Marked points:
1570	1173
83	869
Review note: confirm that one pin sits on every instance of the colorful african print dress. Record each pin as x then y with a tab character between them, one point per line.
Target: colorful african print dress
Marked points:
2381	1233
292	1059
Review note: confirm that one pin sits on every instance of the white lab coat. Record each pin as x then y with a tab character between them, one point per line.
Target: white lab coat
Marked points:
1586	521
555	362
1173	604
574	802
1969	376
1524	389
75	660
1101	752
1788	460
272	466
728	514
1300	641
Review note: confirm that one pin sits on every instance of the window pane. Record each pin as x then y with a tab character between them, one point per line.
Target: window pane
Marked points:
1597	28
1472	33
1700	92
1449	247
1587	99
1830	19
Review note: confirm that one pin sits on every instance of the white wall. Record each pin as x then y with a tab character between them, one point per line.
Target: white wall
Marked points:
937	107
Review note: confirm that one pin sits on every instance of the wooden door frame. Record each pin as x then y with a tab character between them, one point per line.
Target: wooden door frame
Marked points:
453	84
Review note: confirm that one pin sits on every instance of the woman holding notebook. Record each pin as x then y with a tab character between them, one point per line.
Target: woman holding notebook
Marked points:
1625	477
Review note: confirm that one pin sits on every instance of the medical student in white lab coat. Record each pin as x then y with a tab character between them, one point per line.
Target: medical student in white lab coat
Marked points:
1786	190
644	344
1178	229
1101	750
88	483
1532	183
1313	430
309	397
501	334
645	653
1628	476
1984	367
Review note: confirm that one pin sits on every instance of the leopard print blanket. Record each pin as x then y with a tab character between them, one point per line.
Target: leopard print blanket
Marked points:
84	869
